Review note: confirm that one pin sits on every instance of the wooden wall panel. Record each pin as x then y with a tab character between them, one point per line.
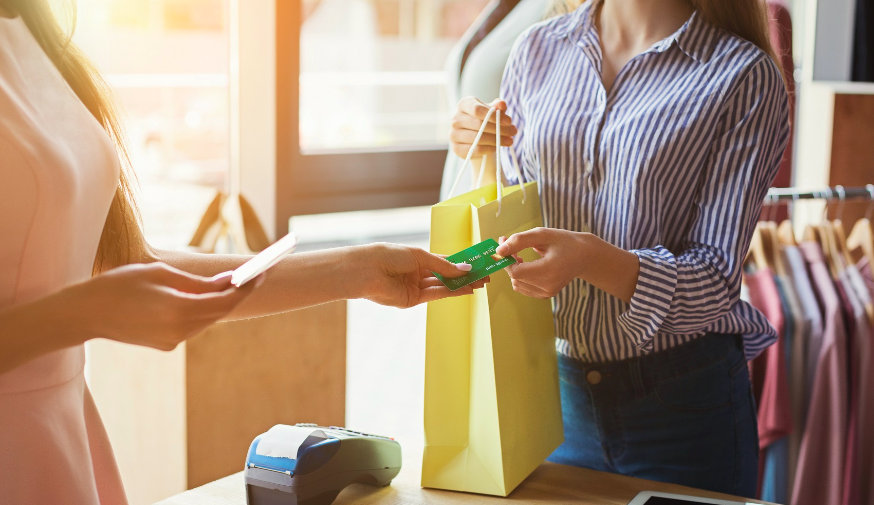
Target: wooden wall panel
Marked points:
180	419
243	377
140	394
852	149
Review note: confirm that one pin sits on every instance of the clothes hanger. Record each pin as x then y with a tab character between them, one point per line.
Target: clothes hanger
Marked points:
755	260
811	230
770	240
815	232
866	247
840	236
861	239
833	257
785	231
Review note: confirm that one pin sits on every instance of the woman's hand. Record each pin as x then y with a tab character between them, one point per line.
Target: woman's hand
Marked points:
401	276
562	258
467	121
567	255
152	305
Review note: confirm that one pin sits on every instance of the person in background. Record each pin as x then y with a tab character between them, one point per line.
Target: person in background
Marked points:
476	63
654	128
75	266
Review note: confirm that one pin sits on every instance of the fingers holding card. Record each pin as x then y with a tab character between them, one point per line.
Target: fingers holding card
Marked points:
483	260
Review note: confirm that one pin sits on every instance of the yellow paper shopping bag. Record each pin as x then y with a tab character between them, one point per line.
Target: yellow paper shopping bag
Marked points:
492	404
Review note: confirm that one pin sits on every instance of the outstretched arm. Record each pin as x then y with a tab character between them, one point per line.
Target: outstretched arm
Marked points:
150	305
387	274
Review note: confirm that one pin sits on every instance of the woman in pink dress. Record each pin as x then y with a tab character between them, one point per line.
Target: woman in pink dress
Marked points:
74	266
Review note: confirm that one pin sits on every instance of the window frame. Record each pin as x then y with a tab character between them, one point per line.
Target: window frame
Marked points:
337	180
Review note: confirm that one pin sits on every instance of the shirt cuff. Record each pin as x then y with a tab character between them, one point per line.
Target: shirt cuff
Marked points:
652	297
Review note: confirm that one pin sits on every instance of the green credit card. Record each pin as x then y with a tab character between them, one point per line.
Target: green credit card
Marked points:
482	258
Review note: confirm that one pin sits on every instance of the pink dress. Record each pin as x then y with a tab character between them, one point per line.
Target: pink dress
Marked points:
58	174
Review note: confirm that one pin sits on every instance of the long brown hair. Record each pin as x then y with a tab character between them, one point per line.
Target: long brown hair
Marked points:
122	240
748	19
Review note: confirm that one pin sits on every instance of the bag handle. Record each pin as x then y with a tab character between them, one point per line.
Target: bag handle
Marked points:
498	171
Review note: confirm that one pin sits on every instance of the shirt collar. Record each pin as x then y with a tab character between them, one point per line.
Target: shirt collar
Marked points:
693	38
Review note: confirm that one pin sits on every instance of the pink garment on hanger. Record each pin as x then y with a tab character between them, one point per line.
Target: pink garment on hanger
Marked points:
819	478
769	378
863	281
775	413
59	172
808	327
857	330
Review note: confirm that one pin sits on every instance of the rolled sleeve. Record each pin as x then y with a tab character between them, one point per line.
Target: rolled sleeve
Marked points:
652	298
690	290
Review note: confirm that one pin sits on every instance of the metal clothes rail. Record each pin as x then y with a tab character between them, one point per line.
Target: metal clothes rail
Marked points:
837	193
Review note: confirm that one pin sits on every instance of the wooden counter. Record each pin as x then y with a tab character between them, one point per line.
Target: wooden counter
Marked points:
550	483
182	419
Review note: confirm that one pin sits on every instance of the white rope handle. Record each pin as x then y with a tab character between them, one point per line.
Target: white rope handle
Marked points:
498	172
479	135
499	182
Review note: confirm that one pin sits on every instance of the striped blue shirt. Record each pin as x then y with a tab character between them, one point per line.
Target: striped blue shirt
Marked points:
672	163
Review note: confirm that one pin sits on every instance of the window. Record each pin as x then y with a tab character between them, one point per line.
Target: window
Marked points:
372	71
167	61
363	88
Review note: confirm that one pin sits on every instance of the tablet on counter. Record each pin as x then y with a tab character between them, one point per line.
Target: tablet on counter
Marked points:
653	498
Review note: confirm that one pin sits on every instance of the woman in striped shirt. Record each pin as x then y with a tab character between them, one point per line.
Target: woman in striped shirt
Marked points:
654	129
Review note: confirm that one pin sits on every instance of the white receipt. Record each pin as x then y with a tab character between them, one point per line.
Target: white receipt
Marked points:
282	441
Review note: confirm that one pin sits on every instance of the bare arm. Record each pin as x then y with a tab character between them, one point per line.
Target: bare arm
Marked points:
610	268
298	281
388	274
159	306
150	305
568	255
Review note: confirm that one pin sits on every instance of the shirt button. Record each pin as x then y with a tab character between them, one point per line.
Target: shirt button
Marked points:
594	377
588	167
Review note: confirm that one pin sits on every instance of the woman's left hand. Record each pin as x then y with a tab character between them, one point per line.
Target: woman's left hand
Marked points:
401	276
563	256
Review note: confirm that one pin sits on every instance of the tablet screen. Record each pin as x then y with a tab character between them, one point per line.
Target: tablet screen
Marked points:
657	500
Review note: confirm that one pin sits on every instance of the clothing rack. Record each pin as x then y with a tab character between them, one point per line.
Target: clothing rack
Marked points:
837	193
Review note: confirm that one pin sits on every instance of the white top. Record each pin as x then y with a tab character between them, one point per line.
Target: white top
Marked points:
483	70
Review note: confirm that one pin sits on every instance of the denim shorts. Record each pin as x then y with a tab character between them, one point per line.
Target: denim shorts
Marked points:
685	416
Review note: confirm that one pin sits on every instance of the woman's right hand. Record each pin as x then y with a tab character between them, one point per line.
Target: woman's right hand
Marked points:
152	305
467	121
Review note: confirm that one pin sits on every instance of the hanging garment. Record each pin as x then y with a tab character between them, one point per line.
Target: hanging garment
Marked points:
815	343
813	312
863	284
769	370
807	319
775	477
858	331
864	268
819	478
774	418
